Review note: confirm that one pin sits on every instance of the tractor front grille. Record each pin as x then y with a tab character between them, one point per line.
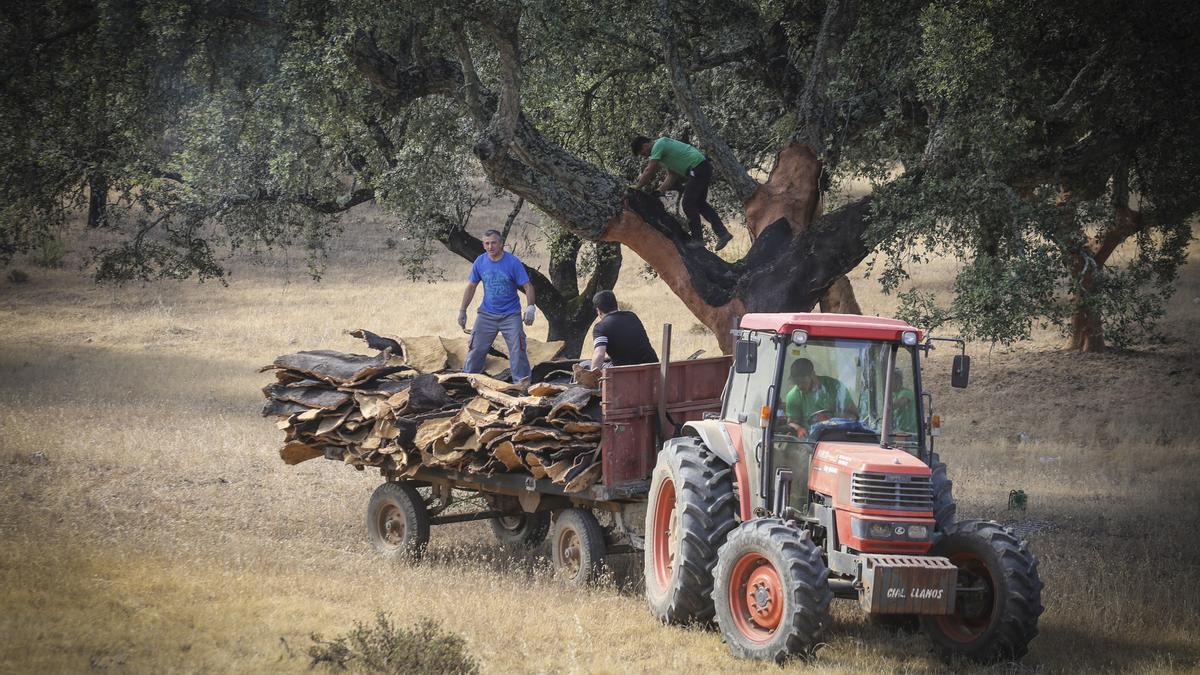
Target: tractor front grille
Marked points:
892	491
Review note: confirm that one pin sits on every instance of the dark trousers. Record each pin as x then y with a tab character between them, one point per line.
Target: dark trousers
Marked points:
695	201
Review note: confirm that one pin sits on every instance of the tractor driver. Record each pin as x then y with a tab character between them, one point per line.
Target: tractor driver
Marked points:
814	398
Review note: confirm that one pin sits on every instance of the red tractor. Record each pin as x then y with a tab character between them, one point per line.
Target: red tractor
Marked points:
819	479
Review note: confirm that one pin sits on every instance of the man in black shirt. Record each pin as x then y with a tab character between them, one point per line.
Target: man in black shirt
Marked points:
619	335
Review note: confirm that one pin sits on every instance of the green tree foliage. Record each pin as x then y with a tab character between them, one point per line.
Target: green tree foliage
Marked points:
1056	133
1029	140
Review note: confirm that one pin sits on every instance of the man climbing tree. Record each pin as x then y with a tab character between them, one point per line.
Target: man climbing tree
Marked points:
684	163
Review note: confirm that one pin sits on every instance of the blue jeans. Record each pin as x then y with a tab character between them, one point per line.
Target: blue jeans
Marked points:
484	333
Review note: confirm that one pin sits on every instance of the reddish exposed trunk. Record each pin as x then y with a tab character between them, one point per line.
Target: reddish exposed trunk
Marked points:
1087	327
792	191
1087	324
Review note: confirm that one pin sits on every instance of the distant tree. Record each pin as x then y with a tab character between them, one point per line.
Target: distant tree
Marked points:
1054	134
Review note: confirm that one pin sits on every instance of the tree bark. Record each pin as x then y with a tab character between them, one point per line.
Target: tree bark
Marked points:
97	200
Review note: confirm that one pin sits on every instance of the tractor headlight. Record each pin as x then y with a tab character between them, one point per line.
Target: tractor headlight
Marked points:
879	530
918	532
909	338
799	337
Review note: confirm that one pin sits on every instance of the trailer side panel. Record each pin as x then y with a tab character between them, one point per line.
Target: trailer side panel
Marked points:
629	403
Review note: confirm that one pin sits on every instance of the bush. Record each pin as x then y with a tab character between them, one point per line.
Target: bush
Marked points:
17	276
50	253
384	648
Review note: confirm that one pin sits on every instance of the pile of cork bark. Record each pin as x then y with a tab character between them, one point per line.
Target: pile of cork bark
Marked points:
408	407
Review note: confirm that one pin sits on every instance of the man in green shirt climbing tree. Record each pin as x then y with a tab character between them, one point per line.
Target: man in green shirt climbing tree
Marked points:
688	164
814	398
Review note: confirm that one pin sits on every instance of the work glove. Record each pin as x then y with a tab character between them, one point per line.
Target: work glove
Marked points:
462	319
530	311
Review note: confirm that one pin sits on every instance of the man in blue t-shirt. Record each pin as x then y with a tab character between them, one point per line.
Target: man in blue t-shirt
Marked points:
500	312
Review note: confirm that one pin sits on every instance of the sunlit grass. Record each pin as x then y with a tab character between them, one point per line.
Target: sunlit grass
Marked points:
147	525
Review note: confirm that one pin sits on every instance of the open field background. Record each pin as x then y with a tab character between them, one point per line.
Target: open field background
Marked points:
147	524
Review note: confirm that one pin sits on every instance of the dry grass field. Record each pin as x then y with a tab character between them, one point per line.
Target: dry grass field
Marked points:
147	524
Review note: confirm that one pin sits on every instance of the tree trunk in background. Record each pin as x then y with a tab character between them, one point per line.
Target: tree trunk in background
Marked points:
1087	323
98	201
1087	331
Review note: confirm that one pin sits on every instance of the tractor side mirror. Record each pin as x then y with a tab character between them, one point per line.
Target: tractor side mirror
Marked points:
745	356
961	372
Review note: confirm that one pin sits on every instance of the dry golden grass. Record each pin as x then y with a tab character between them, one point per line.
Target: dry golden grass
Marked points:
147	525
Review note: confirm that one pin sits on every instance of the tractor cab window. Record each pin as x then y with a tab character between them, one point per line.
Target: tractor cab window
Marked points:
836	388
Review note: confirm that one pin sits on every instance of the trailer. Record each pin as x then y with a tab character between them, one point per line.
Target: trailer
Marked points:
641	407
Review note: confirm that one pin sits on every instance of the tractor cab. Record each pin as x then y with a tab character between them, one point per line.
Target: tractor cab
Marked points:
808	386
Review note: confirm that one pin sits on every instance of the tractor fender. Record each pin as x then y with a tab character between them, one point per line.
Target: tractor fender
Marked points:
714	436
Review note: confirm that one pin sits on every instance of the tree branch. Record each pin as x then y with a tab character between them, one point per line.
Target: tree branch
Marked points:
472	87
512	218
1080	84
718	150
813	115
403	79
344	203
503	31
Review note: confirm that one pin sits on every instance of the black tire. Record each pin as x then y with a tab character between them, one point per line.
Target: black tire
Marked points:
997	624
577	546
522	531
691	510
945	510
790	610
398	521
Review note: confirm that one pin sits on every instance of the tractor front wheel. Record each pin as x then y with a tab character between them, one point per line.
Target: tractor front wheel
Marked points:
999	594
772	591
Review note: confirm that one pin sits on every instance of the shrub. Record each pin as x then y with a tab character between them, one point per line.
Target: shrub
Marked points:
50	253
385	648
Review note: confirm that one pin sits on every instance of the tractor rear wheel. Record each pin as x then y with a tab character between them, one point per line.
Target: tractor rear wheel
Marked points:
522	531
577	546
999	595
398	521
690	511
772	591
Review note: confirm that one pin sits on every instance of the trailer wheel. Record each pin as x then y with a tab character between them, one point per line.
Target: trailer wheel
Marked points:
999	594
944	507
398	521
690	511
522	531
772	591
577	546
